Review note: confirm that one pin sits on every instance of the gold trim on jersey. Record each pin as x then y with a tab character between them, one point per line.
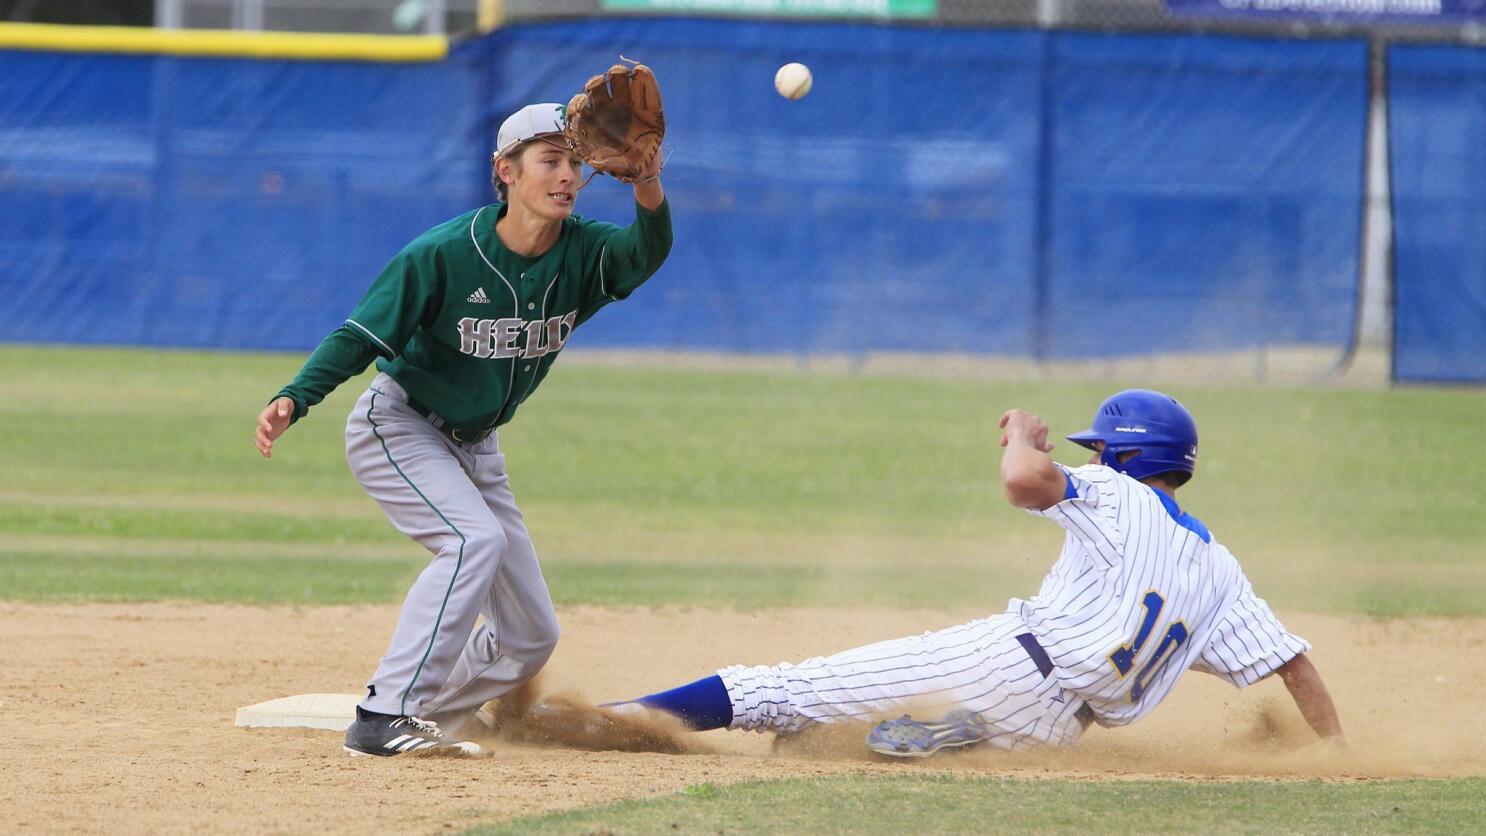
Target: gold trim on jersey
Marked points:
1136	646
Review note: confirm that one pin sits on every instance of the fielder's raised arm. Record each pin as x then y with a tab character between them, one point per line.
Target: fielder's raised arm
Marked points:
648	191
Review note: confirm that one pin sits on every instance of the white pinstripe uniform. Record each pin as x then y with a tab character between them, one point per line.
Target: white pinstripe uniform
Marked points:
1140	593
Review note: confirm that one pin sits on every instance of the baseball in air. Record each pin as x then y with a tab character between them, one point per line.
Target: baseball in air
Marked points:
793	81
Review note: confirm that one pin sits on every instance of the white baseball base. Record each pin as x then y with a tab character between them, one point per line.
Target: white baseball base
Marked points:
311	711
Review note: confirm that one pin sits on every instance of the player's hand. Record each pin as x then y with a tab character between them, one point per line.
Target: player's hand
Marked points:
1026	427
652	170
272	422
648	191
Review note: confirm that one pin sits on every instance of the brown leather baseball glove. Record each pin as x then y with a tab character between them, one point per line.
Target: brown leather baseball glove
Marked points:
616	124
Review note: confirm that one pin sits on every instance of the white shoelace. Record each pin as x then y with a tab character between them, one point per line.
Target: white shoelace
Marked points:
426	726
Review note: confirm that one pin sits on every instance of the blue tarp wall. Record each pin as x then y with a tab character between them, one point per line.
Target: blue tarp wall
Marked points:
1006	192
1437	146
224	203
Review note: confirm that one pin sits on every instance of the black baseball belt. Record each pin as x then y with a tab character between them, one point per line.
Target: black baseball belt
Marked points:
457	435
1084	715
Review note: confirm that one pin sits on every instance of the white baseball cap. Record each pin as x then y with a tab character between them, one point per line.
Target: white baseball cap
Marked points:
529	123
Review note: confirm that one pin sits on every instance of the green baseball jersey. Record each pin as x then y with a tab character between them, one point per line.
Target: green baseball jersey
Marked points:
468	327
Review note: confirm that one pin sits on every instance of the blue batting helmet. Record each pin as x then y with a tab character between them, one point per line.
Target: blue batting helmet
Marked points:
1158	428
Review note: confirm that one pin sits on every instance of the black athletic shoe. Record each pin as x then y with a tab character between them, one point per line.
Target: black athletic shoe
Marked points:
389	734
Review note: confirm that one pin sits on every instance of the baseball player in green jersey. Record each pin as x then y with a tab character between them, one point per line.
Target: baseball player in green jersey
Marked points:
464	323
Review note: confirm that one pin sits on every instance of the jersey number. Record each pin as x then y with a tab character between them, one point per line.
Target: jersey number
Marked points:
1125	655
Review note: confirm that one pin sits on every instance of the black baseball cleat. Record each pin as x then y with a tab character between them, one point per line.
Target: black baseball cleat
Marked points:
390	734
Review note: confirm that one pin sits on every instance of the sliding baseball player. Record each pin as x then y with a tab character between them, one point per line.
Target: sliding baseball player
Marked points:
1141	593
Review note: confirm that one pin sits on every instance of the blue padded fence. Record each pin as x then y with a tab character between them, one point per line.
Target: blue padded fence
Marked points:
224	203
887	210
1207	193
1000	192
1437	121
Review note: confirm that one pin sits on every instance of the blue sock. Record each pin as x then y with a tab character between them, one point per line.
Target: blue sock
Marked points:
702	705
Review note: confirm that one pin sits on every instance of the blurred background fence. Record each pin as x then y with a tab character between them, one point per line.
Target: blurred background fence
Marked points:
1186	184
1437	101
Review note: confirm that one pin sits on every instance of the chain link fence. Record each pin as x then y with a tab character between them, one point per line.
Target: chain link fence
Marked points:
1095	15
458	17
377	17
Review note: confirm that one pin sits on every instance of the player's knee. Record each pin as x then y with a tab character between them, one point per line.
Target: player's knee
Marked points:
546	642
533	644
485	545
532	652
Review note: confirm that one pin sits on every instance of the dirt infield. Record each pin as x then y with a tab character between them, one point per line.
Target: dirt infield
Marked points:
119	717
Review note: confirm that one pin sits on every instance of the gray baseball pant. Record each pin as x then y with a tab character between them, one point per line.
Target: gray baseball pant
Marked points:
454	499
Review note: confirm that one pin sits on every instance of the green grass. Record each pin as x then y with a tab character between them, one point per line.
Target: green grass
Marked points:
199	574
130	475
946	804
44	519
